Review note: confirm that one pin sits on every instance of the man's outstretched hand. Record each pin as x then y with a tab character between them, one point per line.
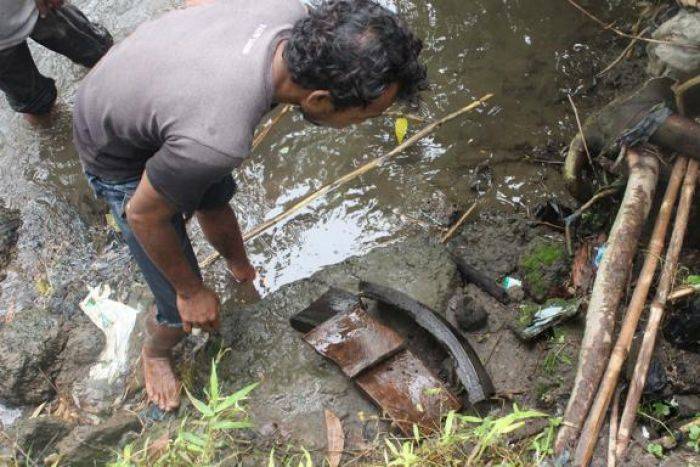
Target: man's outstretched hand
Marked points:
45	6
199	309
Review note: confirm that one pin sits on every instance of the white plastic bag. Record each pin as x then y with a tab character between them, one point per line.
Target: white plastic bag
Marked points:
116	320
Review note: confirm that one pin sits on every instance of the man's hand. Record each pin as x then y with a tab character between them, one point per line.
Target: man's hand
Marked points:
200	309
241	271
45	6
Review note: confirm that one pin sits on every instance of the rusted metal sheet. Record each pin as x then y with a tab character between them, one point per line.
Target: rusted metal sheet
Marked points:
354	340
331	303
470	371
408	392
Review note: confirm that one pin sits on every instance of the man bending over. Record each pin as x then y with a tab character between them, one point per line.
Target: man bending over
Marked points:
164	118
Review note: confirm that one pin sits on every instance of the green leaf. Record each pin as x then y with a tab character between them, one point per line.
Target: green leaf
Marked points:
231	425
400	129
271	459
194	439
655	449
199	405
694	433
238	396
693	280
213	382
449	422
661	409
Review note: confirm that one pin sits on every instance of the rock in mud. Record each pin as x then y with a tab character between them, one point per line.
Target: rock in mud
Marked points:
671	58
688	405
483	244
469	308
95	444
9	223
29	344
38	435
544	266
416	266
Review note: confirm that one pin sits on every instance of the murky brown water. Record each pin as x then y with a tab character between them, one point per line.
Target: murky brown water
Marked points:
525	52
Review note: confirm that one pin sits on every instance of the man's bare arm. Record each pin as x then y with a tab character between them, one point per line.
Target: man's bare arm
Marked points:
149	215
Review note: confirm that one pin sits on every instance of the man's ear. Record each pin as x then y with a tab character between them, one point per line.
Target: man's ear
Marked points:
320	102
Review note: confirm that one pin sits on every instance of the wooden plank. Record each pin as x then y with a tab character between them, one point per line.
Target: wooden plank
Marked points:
408	392
470	371
331	303
354	340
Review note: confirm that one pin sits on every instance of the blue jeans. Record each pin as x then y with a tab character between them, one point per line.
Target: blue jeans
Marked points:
117	195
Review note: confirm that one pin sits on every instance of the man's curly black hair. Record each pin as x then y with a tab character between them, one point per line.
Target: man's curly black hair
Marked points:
355	49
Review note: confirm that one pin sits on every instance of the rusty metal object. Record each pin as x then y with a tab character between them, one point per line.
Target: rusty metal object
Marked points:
354	340
470	371
408	392
329	304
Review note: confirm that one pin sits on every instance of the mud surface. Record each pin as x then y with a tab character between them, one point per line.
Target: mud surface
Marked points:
530	54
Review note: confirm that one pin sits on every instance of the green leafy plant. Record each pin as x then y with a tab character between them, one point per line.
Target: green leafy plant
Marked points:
656	449
694	438
201	437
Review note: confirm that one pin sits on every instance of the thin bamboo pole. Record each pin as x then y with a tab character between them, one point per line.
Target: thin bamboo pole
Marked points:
656	311
607	293
425	131
266	129
589	434
614	421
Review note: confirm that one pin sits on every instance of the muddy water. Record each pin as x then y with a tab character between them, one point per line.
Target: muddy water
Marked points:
525	52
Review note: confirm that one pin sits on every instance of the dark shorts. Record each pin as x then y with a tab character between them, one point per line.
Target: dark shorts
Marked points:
117	195
64	30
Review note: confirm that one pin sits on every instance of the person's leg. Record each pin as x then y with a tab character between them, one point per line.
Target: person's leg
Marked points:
68	32
164	327
27	90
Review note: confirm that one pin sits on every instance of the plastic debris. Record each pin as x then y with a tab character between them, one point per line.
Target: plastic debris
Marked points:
551	314
510	282
599	253
116	320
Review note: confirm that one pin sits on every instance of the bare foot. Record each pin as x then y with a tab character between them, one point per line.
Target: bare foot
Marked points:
39	121
242	272
162	385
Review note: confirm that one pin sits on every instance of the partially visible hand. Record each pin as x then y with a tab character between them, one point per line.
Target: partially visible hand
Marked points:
44	6
241	272
200	309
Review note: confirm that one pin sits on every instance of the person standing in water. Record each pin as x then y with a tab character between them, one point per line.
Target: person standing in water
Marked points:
162	121
61	28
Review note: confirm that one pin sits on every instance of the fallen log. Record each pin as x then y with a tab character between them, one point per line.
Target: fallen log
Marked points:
656	310
594	421
607	292
469	369
472	275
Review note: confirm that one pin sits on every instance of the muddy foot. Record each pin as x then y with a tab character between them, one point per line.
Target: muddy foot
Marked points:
162	385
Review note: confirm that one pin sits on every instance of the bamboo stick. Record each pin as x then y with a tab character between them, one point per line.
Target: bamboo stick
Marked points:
607	293
656	312
450	233
266	129
594	421
614	420
425	131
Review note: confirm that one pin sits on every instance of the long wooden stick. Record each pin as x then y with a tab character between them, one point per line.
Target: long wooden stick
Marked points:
450	233
266	129
589	434
425	131
614	420
607	293
656	310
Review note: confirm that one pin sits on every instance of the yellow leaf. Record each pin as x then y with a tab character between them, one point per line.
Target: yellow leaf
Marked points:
112	222
43	287
400	129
